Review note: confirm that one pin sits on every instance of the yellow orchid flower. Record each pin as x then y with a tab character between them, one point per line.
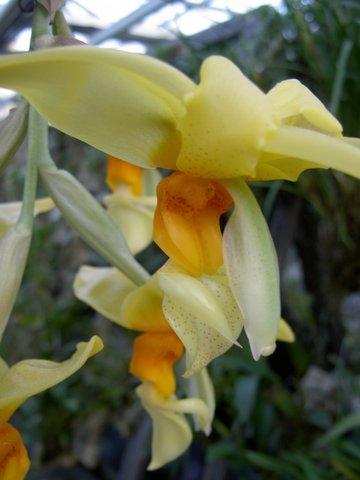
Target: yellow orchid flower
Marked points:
173	311
17	384
155	351
132	203
223	129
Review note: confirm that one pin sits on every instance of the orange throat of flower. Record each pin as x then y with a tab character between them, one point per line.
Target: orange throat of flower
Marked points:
153	357
120	173
14	460
186	222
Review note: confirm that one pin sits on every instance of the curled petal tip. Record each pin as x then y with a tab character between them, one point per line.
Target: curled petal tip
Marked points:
258	350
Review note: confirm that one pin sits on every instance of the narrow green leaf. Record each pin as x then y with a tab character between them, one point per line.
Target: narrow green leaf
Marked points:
350	422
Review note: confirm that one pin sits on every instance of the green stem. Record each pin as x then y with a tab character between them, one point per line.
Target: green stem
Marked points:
35	146
60	25
338	85
40	25
37	132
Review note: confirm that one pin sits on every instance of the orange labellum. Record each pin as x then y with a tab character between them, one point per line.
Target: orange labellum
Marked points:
14	460
120	172
186	222
154	355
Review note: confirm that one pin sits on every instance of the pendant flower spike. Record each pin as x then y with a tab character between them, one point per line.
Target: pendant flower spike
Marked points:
224	129
174	310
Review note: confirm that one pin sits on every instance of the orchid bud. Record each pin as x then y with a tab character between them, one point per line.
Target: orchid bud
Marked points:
90	220
14	248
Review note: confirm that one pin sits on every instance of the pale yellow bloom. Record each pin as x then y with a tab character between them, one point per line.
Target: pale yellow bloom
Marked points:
224	127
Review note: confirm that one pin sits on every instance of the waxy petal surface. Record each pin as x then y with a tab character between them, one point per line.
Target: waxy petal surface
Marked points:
203	313
295	104
134	217
106	96
29	377
312	147
171	434
225	125
252	268
104	289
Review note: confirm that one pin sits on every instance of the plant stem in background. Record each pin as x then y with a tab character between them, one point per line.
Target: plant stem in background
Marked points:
340	75
41	25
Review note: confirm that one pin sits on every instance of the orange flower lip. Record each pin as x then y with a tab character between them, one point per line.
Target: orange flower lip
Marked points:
14	460
153	357
186	222
120	172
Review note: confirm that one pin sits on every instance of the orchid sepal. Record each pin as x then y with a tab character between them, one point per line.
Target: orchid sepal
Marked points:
252	268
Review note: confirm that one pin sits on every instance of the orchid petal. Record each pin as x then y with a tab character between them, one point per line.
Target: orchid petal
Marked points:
225	125
278	167
171	433
104	97
10	212
355	142
112	294
142	309
285	332
252	268
195	311
134	218
104	289
312	146
29	377
200	386
293	103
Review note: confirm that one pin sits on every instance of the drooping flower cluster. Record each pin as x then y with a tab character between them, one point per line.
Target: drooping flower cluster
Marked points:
216	136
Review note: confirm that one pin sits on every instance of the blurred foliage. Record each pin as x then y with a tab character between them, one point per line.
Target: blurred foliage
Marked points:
293	416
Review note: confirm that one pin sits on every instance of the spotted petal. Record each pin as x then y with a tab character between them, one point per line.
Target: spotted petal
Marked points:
225	125
203	314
